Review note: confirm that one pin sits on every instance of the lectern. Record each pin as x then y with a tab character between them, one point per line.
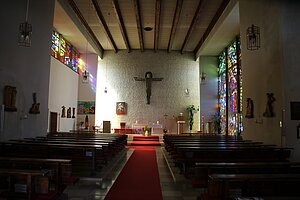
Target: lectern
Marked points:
106	126
180	124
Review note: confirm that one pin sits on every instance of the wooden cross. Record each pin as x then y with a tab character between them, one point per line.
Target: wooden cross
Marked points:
148	78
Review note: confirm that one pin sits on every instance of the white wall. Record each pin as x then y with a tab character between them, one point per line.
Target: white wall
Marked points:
116	72
63	91
87	91
290	24
209	87
26	68
262	69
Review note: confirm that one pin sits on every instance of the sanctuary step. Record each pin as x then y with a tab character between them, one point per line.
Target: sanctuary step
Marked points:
146	138
145	141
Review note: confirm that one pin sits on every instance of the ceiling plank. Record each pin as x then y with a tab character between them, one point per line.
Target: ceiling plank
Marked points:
121	23
86	25
138	22
192	26
211	25
157	24
174	24
103	23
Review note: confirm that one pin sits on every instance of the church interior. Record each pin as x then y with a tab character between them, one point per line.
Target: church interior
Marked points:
150	99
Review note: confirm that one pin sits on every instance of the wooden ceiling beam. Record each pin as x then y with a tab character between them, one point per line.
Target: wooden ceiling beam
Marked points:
157	24
211	25
192	26
138	22
85	24
121	23
103	23
174	24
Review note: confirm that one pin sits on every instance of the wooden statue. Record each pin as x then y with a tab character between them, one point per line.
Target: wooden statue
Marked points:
35	108
86	122
73	116
69	112
269	108
10	94
249	112
63	111
148	79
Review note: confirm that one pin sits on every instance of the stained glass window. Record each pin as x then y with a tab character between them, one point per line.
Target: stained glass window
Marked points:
230	89
68	55
55	44
64	51
75	60
222	92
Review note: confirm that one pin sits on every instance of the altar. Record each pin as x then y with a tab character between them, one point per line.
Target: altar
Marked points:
155	128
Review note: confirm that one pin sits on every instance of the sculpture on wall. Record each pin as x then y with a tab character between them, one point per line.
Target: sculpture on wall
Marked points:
35	108
269	108
63	111
69	112
249	111
86	122
10	95
73	116
148	79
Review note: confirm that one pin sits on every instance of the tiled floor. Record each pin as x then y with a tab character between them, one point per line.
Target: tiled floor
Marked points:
173	185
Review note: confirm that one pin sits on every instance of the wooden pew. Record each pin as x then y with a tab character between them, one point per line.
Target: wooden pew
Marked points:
204	169
186	157
84	147
55	165
262	185
29	178
49	150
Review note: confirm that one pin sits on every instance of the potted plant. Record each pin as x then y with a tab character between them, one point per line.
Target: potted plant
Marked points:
192	110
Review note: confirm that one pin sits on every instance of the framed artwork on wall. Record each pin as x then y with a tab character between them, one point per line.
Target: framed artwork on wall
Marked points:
121	108
86	107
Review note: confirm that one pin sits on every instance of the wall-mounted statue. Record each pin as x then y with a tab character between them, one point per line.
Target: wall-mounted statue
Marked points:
73	116
63	112
148	79
10	96
35	108
269	108
69	112
249	111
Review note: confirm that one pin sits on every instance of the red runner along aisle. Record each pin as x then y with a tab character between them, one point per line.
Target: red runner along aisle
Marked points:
139	178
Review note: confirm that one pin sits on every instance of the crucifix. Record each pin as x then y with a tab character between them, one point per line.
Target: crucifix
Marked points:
148	79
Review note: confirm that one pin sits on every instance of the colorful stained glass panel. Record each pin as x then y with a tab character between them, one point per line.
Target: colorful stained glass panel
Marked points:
55	44
230	84
64	51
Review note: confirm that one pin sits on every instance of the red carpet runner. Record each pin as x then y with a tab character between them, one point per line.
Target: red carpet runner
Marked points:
139	178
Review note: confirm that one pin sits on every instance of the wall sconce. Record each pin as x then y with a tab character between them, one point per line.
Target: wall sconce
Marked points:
253	38
202	77
187	91
85	77
25	31
105	90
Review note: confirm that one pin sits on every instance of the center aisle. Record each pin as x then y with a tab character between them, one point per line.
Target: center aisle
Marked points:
139	178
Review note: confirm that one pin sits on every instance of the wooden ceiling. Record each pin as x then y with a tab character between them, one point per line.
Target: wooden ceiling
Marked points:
177	25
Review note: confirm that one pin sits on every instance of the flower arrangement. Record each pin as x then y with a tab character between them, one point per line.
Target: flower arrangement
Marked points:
146	128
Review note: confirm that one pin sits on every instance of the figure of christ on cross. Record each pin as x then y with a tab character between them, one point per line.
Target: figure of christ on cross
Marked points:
148	78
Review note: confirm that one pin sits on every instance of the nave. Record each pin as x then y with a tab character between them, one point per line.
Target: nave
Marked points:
173	184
